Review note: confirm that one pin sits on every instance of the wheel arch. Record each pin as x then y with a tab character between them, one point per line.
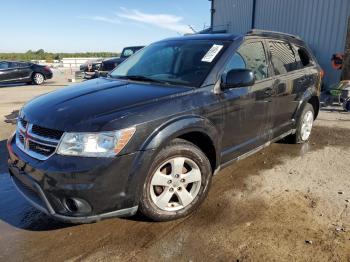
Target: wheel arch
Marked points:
195	129
310	96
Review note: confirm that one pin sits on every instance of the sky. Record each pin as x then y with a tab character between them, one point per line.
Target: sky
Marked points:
100	25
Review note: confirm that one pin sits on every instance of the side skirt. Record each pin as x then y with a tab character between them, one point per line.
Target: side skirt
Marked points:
255	150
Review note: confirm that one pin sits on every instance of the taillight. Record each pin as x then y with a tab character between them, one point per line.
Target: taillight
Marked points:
46	68
322	73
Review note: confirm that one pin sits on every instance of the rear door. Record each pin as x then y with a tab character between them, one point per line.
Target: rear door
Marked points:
289	81
246	109
23	71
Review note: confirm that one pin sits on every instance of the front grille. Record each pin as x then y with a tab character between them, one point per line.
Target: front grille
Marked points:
21	138
23	123
46	132
38	142
41	149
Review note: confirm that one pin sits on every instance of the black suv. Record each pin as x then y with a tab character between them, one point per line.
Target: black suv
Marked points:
150	136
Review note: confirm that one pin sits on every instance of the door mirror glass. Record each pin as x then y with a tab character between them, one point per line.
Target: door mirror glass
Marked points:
237	78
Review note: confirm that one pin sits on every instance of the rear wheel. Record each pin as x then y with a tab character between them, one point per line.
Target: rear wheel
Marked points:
38	78
177	183
304	125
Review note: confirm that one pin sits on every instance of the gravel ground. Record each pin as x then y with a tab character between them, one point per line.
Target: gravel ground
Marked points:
285	203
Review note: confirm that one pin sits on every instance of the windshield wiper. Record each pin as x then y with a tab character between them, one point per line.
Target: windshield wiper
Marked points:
143	78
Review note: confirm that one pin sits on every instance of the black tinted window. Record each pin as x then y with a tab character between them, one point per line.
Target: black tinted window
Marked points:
23	64
302	56
250	56
4	65
13	65
283	58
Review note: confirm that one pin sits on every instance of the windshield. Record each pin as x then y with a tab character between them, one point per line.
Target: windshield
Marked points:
173	62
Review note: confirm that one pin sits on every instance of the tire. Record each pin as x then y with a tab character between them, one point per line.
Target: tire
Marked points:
304	125
38	78
175	165
346	105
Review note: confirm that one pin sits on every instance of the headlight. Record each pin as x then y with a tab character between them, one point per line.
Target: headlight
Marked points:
104	144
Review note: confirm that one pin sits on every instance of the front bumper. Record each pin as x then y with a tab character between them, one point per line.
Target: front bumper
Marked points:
107	187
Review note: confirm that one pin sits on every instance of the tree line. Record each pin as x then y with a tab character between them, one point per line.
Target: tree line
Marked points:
49	57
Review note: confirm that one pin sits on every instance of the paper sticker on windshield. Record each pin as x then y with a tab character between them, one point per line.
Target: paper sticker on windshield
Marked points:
212	53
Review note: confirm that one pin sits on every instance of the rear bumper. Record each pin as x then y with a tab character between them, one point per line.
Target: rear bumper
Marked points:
105	187
48	75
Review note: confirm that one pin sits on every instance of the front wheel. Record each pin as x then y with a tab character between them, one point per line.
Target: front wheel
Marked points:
177	183
304	125
38	78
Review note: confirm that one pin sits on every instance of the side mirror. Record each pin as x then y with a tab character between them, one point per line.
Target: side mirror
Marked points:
237	78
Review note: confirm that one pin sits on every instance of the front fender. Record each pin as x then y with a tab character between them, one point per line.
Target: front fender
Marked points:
159	138
180	126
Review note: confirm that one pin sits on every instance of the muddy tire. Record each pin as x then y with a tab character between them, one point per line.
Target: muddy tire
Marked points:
304	125
177	183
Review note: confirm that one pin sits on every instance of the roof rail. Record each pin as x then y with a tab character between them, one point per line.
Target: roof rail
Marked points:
267	32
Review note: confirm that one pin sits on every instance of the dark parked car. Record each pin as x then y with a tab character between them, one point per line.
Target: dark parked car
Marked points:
151	135
23	72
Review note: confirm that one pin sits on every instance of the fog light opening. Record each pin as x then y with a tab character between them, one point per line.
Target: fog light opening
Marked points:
72	205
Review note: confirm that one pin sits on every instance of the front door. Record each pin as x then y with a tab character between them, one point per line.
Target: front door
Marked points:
246	109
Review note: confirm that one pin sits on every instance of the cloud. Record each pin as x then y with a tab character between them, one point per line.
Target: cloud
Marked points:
166	21
112	20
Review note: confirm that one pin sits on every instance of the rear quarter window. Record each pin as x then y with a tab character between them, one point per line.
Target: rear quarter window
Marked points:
303	57
282	57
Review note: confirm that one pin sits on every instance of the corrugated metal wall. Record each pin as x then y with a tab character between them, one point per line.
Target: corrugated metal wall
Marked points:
233	15
321	23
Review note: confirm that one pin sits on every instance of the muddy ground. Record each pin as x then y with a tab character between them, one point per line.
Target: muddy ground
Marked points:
285	203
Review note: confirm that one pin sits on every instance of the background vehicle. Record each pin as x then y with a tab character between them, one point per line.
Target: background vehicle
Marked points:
23	72
108	65
91	65
150	136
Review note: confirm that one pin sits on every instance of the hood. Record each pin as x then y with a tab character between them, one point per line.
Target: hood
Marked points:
76	107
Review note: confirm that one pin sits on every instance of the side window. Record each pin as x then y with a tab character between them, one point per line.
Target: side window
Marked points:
127	52
22	65
302	56
282	57
250	56
13	65
4	65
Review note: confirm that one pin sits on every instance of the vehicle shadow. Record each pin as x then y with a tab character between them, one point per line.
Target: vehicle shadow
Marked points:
14	209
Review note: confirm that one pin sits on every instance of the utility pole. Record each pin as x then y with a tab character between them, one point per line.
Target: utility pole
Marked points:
346	60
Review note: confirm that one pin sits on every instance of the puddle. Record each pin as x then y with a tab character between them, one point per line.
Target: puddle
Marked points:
16	211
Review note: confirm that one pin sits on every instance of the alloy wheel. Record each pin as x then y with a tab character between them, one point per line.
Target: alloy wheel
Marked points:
175	184
306	125
38	78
